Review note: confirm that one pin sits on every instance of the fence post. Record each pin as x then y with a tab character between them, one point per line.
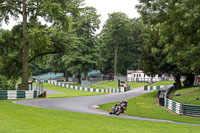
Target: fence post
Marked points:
181	109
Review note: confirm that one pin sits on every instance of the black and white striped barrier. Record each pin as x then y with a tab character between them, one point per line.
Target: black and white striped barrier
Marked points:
173	106
16	94
149	88
121	89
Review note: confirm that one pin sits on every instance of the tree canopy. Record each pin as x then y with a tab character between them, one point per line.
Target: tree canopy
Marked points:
120	41
176	39
35	39
84	55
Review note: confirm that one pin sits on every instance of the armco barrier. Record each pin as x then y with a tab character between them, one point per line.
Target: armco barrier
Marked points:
153	87
191	110
87	89
16	94
176	107
173	106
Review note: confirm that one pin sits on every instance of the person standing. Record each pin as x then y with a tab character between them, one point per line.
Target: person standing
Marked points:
124	85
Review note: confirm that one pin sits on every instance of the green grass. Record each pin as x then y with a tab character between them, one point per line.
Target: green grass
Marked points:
106	85
145	106
68	92
73	93
103	85
188	96
24	119
135	85
162	83
112	85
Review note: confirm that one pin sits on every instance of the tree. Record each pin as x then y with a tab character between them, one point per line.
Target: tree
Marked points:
120	42
84	55
114	35
178	33
135	40
55	12
183	22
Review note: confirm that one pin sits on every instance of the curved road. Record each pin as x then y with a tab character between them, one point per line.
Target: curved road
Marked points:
86	104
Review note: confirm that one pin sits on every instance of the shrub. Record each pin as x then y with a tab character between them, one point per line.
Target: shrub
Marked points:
6	84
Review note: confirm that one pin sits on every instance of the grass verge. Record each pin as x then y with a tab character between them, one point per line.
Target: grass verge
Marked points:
112	85
162	83
68	92
188	95
145	106
24	119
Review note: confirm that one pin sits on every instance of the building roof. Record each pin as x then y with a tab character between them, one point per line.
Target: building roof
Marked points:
134	71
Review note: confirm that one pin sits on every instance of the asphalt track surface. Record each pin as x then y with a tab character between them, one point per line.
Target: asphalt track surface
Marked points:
87	104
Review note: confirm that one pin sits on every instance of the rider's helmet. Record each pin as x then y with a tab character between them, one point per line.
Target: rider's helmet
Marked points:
125	100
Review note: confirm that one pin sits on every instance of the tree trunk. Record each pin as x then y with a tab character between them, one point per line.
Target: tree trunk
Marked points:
189	81
115	64
85	75
66	76
178	82
25	49
79	77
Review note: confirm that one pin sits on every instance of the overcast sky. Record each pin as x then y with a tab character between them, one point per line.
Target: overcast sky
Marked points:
105	7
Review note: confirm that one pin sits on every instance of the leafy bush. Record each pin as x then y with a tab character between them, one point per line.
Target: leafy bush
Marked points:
6	84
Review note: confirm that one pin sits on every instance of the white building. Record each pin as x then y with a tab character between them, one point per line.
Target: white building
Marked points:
139	76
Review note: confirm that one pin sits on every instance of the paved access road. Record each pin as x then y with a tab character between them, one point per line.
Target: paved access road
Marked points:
86	104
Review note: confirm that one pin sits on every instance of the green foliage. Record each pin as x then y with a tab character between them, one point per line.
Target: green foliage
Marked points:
135	40
120	41
174	38
146	106
31	40
6	84
10	61
114	37
83	56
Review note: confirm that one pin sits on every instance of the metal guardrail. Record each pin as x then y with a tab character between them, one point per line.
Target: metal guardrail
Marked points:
191	110
176	107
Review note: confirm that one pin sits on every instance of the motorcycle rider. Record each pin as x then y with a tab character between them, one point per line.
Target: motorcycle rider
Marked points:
122	104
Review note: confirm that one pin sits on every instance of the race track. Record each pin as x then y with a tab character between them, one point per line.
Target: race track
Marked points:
86	104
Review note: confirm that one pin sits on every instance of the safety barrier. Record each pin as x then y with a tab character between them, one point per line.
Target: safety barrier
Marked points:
153	87
16	94
176	107
182	109
191	110
121	89
173	106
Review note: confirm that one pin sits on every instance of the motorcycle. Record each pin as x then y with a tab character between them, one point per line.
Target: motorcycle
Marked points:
118	109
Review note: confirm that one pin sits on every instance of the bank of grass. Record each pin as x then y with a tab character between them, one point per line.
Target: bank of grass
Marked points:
112	85
162	83
68	92
24	119
146	106
136	84
188	95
